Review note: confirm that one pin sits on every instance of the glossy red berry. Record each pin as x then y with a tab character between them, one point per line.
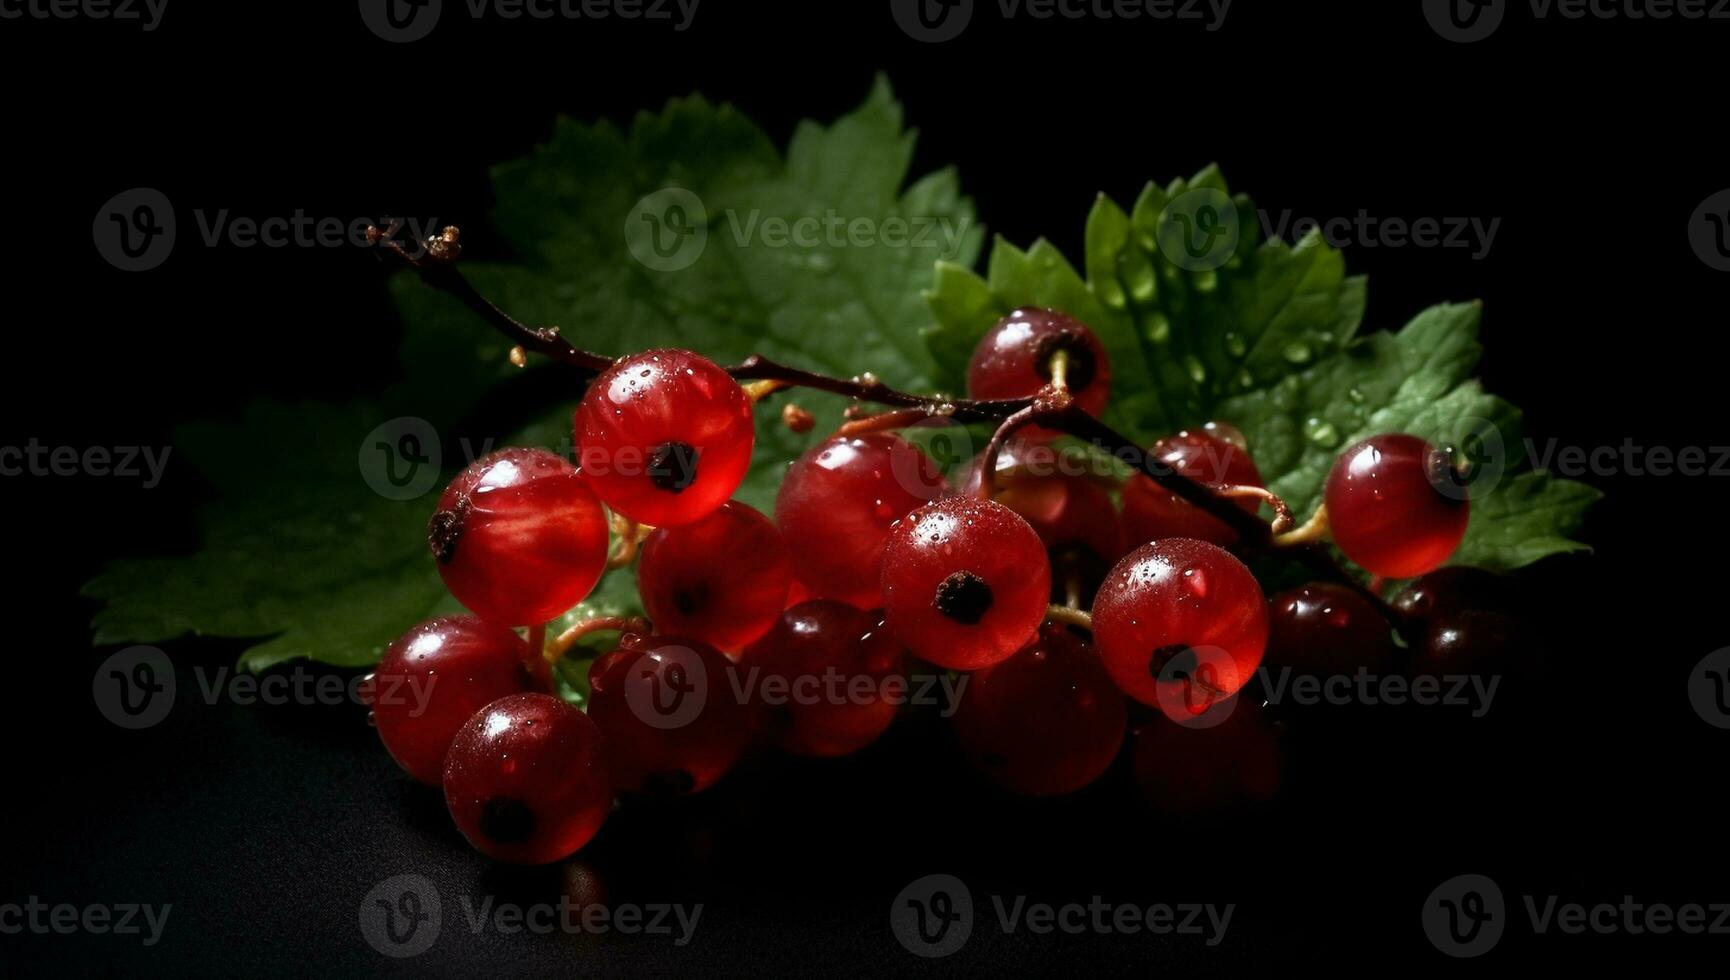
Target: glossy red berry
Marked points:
664	436
837	504
525	780
1327	629
1209	456
1056	491
1046	721
965	582
1013	360
433	679
519	537
722	579
1455	589
1181	624
1189	771
1395	506
673	712
831	676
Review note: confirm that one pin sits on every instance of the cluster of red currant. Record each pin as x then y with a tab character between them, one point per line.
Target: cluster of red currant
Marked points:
871	558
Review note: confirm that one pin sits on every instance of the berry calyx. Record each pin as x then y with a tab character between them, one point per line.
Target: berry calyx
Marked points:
669	708
1014	360
1213	456
1046	721
1181	624
525	780
1393	508
722	579
433	679
831	676
519	536
664	436
965	582
838	503
1327	629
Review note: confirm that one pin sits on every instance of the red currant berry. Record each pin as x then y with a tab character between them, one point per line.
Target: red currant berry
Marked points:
672	714
1209	457
722	579
1013	360
433	679
1055	491
1181	624
525	780
1188	771
519	537
965	582
1454	589
1394	506
1046	721
1467	641
831	675
1327	629
664	436
837	505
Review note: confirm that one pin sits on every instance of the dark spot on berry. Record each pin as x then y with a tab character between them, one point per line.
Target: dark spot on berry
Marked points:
673	466
1181	657
690	602
445	529
1081	366
506	820
676	782
963	597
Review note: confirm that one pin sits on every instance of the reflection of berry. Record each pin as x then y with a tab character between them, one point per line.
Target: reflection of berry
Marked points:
1327	629
1208	456
525	780
722	579
1013	360
965	582
837	504
1046	721
1392	508
1182	618
1189	771
671	714
519	537
841	674
433	679
664	436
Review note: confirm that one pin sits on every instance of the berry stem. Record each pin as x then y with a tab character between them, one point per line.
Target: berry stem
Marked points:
1070	617
1283	519
1314	531
561	644
1060	369
539	668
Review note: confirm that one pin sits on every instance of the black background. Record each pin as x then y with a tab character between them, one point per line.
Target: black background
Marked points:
1591	140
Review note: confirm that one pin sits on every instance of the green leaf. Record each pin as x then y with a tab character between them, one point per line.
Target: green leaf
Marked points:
298	550
1266	340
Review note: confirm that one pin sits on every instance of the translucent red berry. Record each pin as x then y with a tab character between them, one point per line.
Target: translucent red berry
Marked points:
1181	624
1014	360
722	579
519	537
1396	506
1188	771
1455	589
1327	629
525	780
837	504
831	677
1209	456
664	436
965	582
673	711
1046	721
433	679
1059	492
